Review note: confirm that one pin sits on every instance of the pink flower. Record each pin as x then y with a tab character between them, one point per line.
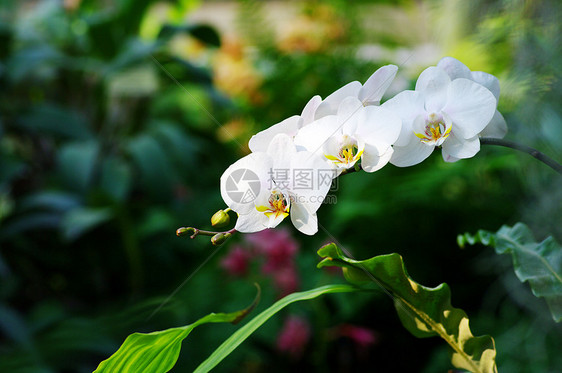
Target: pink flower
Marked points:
362	337
294	336
286	279
236	263
277	246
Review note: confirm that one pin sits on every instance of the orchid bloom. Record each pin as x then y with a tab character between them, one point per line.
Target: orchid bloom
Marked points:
368	94
440	112
497	126
355	133
266	187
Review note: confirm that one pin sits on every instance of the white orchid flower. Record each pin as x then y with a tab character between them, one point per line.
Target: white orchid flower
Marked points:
497	128
266	187
290	126
369	94
355	133
440	112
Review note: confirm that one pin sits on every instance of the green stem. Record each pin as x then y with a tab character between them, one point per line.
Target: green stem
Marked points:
525	149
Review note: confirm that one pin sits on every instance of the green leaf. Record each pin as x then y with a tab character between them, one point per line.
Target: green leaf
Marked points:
158	351
243	333
76	164
540	263
424	311
204	33
80	220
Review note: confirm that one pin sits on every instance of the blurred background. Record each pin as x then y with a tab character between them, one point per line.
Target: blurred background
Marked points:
117	119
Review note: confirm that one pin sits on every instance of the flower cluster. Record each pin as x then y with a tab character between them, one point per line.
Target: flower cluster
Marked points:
275	251
293	163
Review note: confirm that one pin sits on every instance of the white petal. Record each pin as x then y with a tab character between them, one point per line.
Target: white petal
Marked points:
315	169
377	124
260	141
375	157
281	149
411	154
458	147
449	158
454	68
330	104
377	84
470	106
349	106
433	83
347	114
253	221
313	136
310	109
303	220
407	105
497	128
487	80
243	181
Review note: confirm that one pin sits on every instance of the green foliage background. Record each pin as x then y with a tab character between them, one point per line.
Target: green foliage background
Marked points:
103	156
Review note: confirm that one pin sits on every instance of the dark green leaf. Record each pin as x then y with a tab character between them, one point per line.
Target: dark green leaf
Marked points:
540	263
204	33
76	163
52	120
156	173
424	311
78	221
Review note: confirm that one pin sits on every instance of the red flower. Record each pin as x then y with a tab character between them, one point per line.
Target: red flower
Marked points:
294	336
362	337
237	262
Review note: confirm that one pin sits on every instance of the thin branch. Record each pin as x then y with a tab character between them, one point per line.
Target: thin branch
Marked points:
525	149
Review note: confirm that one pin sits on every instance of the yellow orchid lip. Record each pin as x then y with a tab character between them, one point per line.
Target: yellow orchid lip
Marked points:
278	205
346	157
435	132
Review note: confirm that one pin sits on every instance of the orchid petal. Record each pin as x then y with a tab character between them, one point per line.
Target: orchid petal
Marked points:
377	84
454	68
313	136
347	114
260	141
377	124
433	83
321	174
497	128
375	157
243	181
487	80
330	104
281	149
470	107
411	154
253	221
457	147
407	105
303	220
310	109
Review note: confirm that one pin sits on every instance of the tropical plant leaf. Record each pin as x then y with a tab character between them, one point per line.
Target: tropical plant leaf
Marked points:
424	311
158	351
540	263
243	333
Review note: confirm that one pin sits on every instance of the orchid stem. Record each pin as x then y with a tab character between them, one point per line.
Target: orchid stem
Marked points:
525	149
194	232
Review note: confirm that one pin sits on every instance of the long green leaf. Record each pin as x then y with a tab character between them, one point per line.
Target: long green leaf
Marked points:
424	311
540	263
243	333
158	352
